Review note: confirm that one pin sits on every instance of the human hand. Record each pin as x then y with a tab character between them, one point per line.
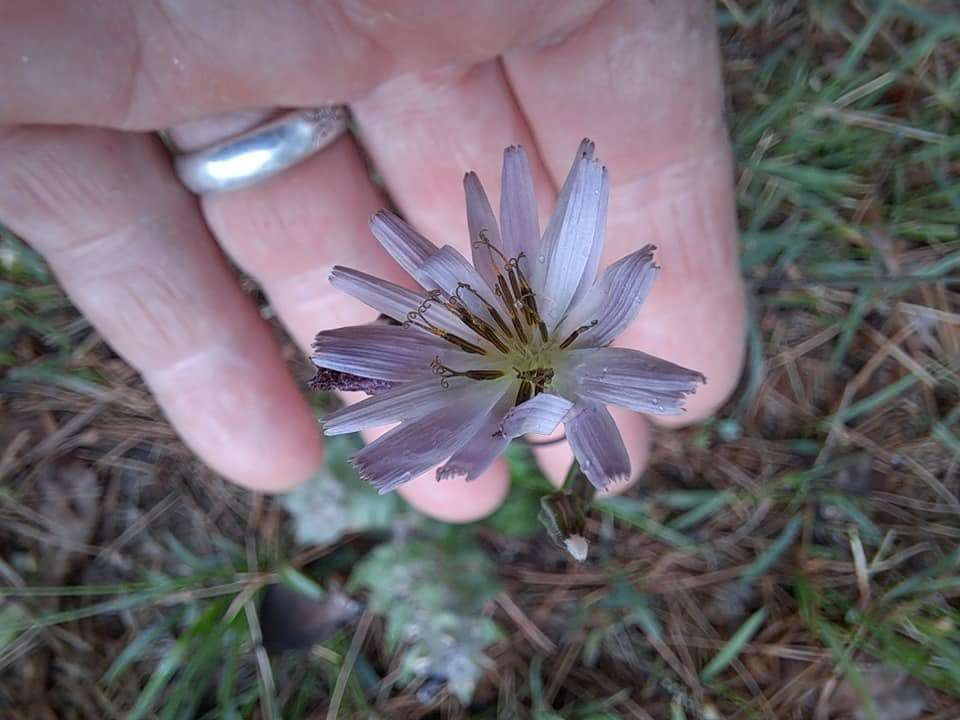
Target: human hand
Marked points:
86	182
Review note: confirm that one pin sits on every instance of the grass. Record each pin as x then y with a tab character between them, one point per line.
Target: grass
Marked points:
796	556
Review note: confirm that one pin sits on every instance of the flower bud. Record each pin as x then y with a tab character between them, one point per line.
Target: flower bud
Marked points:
564	517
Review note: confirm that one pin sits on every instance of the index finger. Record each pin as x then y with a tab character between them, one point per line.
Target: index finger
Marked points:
146	65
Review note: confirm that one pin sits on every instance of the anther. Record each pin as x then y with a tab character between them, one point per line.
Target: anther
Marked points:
416	318
484	241
576	333
491	310
445	373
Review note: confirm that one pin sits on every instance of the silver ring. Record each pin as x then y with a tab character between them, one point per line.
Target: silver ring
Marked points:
262	152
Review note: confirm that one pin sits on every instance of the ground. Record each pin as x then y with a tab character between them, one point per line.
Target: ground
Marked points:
794	557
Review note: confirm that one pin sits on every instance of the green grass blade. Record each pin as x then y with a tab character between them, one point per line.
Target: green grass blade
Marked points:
773	552
734	646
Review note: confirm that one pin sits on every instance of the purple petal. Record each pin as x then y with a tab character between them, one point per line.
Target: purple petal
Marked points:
632	379
540	415
597	242
449	270
412	448
574	237
613	302
519	225
384	352
596	443
470	461
405	245
556	217
409	401
481	220
396	301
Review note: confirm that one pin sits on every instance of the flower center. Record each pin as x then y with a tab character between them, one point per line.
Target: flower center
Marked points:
521	339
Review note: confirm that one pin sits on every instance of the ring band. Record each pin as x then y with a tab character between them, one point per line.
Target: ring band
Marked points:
262	152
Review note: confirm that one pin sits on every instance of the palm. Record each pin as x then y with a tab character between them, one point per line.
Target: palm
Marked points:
641	79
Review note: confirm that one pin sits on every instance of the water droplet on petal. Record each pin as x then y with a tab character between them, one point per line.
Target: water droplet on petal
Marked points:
541	259
660	408
585	464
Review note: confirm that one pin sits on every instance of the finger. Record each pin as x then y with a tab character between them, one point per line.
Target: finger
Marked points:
143	65
456	120
130	248
287	232
555	460
643	81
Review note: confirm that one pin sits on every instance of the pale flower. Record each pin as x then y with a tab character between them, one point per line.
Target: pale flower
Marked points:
515	343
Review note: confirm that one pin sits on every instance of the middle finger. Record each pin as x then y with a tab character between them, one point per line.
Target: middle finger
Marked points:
452	120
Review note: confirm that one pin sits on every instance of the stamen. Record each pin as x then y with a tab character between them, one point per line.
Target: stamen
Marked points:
576	333
482	329
540	377
542	326
524	393
464	345
445	373
503	292
414	319
491	310
525	294
484	241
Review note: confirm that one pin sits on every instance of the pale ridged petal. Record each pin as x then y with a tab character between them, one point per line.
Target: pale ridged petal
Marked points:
470	461
384	352
613	302
539	415
570	243
519	226
412	448
447	268
596	244
480	219
409	401
405	245
585	151
632	379
597	444
395	301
